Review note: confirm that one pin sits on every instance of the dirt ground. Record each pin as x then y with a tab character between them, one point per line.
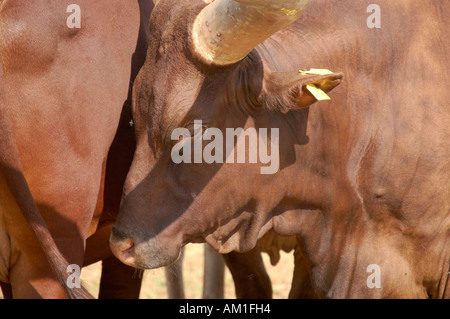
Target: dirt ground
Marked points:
154	283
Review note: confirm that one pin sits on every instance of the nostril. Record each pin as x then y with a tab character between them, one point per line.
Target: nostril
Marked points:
122	246
124	250
128	247
127	252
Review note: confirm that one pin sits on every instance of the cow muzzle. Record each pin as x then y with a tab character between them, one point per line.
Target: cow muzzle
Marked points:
142	254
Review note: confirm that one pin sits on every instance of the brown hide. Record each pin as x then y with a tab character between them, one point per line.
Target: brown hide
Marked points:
363	178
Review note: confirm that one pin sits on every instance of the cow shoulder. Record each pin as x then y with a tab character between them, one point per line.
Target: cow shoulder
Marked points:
30	34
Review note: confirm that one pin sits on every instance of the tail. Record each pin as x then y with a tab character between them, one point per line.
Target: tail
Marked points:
12	170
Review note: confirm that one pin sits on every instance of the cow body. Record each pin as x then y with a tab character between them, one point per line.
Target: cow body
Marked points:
64	92
364	179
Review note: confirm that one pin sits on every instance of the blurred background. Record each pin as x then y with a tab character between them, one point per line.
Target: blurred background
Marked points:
154	282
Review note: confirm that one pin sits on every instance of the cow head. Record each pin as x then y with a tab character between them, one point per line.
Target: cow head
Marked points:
204	74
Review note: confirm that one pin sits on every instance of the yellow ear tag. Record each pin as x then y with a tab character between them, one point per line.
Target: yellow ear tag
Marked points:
316	72
318	93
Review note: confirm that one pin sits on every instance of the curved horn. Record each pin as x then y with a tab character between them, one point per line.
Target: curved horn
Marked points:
226	31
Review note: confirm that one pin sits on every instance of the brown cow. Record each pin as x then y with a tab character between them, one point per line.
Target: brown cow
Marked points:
251	279
364	179
64	88
117	280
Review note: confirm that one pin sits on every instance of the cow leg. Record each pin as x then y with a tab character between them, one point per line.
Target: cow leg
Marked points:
174	279
31	276
214	275
249	274
447	288
34	280
301	287
119	281
7	290
29	272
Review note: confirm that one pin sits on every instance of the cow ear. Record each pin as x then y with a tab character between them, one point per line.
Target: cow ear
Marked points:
287	91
